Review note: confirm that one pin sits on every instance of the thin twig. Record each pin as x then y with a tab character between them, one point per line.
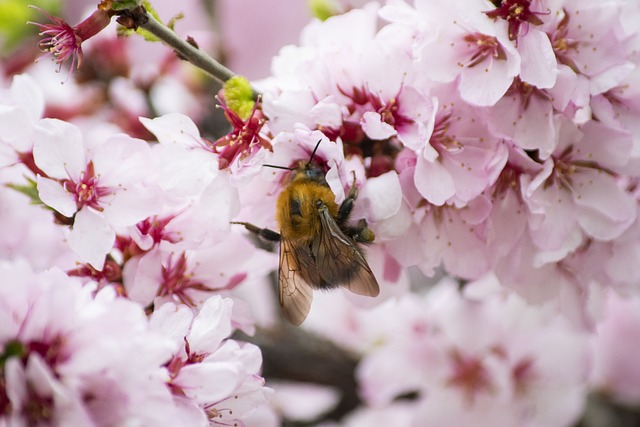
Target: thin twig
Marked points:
190	53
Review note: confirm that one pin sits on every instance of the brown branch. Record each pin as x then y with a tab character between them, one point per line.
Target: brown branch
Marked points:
294	354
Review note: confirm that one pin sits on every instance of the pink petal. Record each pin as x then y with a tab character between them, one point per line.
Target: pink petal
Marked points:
375	128
127	207
396	225
303	401
211	325
471	169
553	219
15	383
610	146
17	133
449	57
484	86
218	204
142	275
434	181
185	173
609	210
173	128
58	149
91	238
54	195
415	106
535	130
120	161
381	196
28	95
327	113
172	321
208	382
539	64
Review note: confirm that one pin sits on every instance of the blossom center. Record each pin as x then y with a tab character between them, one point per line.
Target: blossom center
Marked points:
177	281
481	47
566	165
156	229
245	138
441	140
563	45
518	14
86	191
469	374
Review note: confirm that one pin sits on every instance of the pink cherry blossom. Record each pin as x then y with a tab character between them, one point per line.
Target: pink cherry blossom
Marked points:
99	188
246	140
182	148
463	369
63	41
539	64
202	351
74	358
470	48
29	234
585	37
495	150
190	277
21	109
525	115
578	187
614	372
462	158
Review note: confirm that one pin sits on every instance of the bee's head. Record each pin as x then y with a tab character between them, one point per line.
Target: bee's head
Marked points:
308	171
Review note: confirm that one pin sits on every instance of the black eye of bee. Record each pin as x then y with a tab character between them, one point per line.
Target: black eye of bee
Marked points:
314	173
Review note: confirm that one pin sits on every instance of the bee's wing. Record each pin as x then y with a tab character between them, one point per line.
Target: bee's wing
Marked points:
295	292
339	261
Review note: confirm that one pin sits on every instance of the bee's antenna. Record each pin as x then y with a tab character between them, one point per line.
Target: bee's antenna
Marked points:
313	153
279	167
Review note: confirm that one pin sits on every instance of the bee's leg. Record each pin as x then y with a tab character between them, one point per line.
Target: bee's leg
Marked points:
361	233
347	204
265	233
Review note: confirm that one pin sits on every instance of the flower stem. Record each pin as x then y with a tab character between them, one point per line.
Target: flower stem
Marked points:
187	51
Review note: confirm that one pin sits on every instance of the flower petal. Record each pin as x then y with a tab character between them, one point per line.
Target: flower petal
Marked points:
375	128
434	181
539	64
54	195
211	325
381	196
208	382
58	149
91	238
173	128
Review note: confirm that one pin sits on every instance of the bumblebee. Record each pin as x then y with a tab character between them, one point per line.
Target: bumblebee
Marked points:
319	248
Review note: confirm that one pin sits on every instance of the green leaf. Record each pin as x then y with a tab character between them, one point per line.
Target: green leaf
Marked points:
239	96
322	9
12	349
14	15
124	4
144	33
30	190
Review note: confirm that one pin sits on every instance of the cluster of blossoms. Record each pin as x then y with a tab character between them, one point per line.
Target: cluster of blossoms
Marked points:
77	347
494	141
487	136
71	356
484	357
